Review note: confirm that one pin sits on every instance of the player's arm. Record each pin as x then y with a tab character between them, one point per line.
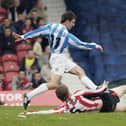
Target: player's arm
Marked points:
94	93
43	31
75	42
83	101
58	110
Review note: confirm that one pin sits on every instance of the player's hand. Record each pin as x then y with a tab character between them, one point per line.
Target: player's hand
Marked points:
105	84
17	37
99	47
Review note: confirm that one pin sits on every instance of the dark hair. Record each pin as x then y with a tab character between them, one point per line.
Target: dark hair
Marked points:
62	92
35	74
7	28
27	18
34	10
21	71
29	50
69	15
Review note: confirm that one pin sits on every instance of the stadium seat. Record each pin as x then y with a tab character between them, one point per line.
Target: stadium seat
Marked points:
22	47
9	57
21	55
1	68
0	59
10	66
8	86
9	76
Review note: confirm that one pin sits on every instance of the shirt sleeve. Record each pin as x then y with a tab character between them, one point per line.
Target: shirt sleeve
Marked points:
60	109
43	31
92	93
73	41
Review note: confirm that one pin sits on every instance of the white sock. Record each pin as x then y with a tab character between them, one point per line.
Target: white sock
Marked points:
41	89
88	83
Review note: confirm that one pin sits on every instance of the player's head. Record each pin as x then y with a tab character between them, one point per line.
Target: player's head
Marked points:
68	19
62	92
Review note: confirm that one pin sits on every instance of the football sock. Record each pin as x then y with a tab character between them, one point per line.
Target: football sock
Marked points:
88	83
41	89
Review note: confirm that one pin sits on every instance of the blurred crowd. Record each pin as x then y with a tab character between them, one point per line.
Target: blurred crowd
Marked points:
25	64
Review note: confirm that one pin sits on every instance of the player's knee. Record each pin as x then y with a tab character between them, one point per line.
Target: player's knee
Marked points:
81	73
55	86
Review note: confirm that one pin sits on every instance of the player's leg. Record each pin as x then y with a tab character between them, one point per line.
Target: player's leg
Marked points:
121	90
41	89
58	68
120	107
45	86
83	77
73	68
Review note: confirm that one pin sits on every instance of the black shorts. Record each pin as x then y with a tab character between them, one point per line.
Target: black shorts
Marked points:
110	99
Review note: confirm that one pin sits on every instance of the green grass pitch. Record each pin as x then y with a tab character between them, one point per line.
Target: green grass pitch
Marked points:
8	117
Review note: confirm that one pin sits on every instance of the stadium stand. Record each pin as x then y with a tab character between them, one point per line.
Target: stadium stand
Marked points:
1	68
8	57
21	49
9	65
9	76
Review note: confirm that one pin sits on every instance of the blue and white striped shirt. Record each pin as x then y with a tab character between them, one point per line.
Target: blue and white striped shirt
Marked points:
59	38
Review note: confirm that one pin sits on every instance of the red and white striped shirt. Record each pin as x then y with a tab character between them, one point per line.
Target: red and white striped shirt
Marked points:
76	103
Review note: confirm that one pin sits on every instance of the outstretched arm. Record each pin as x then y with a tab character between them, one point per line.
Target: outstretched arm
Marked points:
75	42
44	31
60	109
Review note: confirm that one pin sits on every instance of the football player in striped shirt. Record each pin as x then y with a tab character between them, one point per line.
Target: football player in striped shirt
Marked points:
60	38
101	100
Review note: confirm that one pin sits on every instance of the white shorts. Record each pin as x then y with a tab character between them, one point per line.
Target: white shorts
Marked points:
61	64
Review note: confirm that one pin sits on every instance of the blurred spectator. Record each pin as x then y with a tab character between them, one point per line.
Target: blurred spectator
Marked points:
29	61
34	18
19	25
30	72
27	27
3	14
37	49
37	80
7	42
41	10
41	22
46	69
3	83
46	55
6	3
44	41
7	23
27	5
15	10
20	82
